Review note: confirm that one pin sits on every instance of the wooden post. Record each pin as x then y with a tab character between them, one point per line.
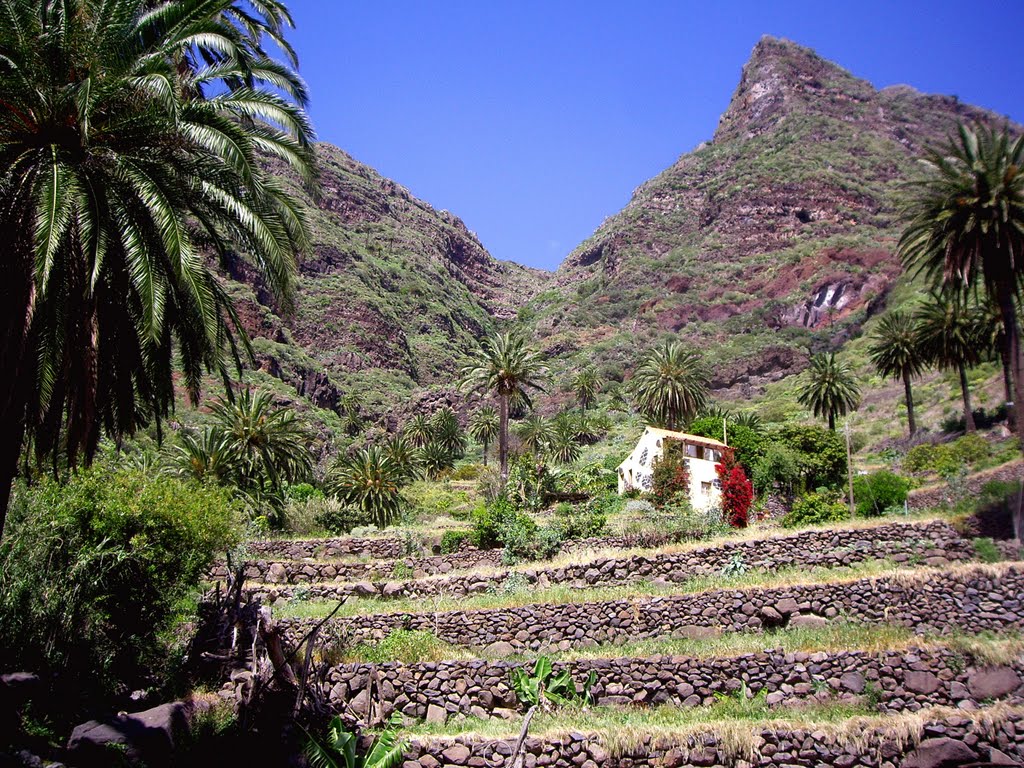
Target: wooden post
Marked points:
849	465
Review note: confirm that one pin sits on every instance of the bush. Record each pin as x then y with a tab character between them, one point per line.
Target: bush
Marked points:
821	455
94	571
467	471
333	516
669	478
815	509
875	493
489	519
748	445
778	468
940	459
581	523
302	492
737	492
971	449
452	541
403	645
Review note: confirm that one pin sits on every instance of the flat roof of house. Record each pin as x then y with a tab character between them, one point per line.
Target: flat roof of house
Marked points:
683	437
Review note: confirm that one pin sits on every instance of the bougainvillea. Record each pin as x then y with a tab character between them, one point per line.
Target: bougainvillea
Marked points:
669	477
737	491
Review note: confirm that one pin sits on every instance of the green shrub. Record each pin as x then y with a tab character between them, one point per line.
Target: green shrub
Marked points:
669	476
95	571
821	454
875	493
748	445
467	471
302	492
452	541
779	467
815	509
403	645
944	460
971	449
489	519
580	522
333	516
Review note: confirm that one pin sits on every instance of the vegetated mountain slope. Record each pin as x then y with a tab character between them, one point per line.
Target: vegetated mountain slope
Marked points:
392	295
775	237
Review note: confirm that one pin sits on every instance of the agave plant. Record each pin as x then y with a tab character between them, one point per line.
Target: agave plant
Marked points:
543	688
339	749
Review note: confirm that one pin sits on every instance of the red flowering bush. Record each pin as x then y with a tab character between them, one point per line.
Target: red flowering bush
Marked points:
737	491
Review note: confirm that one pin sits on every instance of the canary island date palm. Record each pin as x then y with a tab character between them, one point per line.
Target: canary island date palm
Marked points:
670	385
949	332
505	367
896	352
418	430
371	482
829	388
206	456
483	426
535	433
132	134
268	444
585	385
966	227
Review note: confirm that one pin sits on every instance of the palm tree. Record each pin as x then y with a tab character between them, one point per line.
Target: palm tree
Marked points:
895	350
267	443
406	457
586	384
436	460
949	334
564	444
535	432
830	389
369	481
418	430
207	456
483	426
966	227
446	432
670	385
351	415
993	339
131	138
505	367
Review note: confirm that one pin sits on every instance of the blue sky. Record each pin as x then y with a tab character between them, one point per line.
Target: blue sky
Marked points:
533	121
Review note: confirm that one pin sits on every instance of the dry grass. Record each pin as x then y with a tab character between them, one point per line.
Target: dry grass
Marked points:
640	591
738	732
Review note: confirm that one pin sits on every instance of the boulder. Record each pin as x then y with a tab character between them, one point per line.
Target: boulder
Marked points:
942	752
500	649
921	682
993	683
436	714
364	589
457	754
393	589
808	620
787	606
143	738
277	574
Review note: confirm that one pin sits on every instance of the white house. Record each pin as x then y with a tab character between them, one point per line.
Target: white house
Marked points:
702	454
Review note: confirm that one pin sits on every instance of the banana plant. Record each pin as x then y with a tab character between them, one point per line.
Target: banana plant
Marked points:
545	689
339	749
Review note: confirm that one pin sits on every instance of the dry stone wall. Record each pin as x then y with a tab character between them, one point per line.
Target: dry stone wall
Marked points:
950	741
930	543
345	546
940	494
897	680
969	599
312	571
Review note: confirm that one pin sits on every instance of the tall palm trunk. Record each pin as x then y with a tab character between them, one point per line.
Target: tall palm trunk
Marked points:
16	304
968	413
503	435
485	442
1011	353
910	404
832	420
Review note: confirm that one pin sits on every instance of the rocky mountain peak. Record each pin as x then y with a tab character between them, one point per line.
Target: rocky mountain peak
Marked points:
782	78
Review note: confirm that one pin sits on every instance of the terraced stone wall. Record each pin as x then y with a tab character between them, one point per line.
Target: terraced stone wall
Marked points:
940	494
950	741
308	572
931	543
896	680
971	600
345	546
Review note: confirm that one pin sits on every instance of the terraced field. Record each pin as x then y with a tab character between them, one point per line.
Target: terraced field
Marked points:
883	643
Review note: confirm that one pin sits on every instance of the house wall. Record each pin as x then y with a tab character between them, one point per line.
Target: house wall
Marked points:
636	471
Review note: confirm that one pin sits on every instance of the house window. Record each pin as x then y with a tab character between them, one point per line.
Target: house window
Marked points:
643	458
705	488
692	451
646	482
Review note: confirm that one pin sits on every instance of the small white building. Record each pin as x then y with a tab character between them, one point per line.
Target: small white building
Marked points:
702	454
